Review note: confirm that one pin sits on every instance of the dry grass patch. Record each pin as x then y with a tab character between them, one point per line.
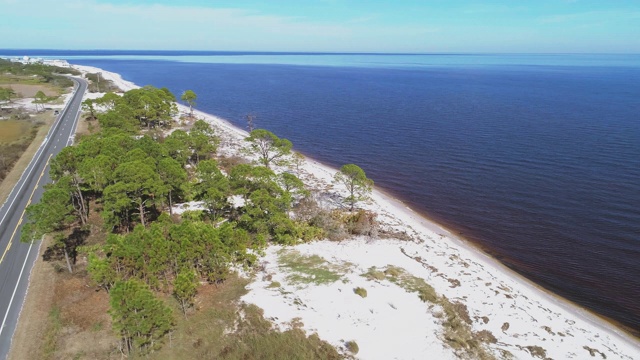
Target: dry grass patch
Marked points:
9	178
456	321
86	127
405	280
227	329
14	130
311	269
86	332
77	326
535	351
29	90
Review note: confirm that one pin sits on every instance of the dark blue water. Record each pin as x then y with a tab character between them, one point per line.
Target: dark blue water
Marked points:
534	158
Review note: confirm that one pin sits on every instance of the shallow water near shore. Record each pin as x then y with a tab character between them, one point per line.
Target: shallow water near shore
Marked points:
535	159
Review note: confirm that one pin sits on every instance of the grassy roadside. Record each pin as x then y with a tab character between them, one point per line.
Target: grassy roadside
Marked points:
19	167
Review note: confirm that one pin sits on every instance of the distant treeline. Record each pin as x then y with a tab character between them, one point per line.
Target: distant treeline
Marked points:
44	73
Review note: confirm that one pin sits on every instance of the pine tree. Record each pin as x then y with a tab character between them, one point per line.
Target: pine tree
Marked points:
185	288
141	319
356	182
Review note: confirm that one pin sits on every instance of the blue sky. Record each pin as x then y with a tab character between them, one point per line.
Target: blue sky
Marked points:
556	26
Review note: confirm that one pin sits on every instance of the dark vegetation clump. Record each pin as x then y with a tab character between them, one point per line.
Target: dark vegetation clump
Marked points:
339	225
19	114
594	352
352	347
333	228
228	162
536	351
97	83
362	292
363	223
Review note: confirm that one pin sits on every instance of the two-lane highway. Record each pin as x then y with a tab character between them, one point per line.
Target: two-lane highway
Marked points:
16	258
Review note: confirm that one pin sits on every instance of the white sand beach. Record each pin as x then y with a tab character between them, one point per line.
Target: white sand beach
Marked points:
392	322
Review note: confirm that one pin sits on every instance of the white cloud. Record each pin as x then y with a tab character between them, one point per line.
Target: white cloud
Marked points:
605	15
77	24
82	23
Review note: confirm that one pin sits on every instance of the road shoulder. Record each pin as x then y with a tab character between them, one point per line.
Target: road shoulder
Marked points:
34	322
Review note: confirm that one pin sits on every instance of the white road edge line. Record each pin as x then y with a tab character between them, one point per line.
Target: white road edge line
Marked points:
6	314
27	290
72	134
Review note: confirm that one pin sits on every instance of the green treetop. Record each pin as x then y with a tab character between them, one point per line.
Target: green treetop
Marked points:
190	98
356	181
268	146
140	319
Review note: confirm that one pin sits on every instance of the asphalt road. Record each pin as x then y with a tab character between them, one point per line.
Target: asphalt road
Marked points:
16	258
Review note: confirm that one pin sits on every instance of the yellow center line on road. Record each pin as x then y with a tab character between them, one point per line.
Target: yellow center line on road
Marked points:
24	210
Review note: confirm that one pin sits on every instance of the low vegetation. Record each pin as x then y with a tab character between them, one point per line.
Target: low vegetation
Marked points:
536	351
52	333
97	83
594	352
405	280
15	137
456	322
352	347
312	269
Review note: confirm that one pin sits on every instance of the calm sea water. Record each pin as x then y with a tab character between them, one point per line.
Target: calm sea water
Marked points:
535	158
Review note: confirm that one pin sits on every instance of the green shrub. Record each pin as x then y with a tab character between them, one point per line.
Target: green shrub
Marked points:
360	291
193	215
393	271
373	274
310	269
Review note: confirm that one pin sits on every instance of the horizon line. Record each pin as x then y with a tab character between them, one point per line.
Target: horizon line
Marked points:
258	52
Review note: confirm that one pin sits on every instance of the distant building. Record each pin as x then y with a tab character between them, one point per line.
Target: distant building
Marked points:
30	60
59	63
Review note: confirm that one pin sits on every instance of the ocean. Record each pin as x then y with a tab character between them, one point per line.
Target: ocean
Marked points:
533	158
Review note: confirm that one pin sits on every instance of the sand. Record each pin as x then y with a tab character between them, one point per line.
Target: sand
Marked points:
392	323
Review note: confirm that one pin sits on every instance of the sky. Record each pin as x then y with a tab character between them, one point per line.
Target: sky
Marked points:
427	26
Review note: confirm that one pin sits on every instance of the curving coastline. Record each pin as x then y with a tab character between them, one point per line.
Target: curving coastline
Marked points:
437	246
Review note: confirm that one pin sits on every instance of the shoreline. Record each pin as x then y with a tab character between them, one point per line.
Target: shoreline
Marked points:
589	315
399	210
567	305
